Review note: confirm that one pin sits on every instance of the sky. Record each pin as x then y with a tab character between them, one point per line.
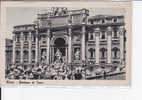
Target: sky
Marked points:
27	15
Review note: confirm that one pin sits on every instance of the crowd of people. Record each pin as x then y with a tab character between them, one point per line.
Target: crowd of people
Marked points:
56	71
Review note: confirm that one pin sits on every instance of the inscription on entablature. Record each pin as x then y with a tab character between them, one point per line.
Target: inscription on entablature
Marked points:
61	32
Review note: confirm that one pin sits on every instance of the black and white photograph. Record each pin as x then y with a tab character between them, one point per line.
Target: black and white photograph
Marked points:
66	43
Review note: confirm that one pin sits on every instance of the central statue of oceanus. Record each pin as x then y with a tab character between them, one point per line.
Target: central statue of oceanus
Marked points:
58	56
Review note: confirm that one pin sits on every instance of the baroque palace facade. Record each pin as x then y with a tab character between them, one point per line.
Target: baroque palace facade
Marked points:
72	36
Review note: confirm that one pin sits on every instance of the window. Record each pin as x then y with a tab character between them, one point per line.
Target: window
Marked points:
17	55
115	34
18	38
103	51
91	36
26	37
103	36
33	54
25	55
92	52
103	21
44	42
115	20
33	37
116	52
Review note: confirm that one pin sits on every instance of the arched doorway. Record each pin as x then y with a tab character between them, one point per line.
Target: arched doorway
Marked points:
60	47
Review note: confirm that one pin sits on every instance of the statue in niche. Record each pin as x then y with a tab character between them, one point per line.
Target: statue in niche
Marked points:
84	18
70	19
43	57
58	56
77	54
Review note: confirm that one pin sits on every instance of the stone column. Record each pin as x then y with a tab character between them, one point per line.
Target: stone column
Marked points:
66	55
50	51
13	55
109	36
69	45
48	47
83	46
30	46
36	46
122	30
52	54
97	41
22	44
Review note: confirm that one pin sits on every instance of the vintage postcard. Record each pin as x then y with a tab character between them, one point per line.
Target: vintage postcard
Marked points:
66	43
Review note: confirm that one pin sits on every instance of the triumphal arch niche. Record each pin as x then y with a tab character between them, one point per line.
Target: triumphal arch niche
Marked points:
59	48
65	33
